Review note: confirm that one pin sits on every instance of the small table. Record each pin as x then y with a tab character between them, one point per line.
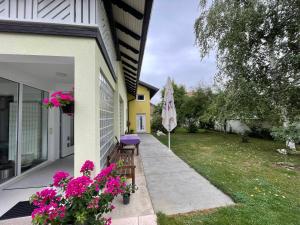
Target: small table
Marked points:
131	139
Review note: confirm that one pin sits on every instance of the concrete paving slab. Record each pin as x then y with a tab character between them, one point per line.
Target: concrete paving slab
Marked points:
175	187
170	164
126	221
17	221
148	220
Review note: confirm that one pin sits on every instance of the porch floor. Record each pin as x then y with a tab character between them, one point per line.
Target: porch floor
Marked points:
34	181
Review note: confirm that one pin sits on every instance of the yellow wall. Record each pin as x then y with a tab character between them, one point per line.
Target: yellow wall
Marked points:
140	107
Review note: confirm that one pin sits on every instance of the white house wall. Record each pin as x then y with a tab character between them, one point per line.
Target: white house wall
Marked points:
59	11
235	126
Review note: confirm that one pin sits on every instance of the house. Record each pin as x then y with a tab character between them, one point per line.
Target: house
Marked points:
139	108
95	47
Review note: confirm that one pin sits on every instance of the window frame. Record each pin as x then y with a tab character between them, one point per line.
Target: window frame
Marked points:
140	100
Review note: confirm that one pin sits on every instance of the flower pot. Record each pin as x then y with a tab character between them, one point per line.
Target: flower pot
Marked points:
126	199
68	109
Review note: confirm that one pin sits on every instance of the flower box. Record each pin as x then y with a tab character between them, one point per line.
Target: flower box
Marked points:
63	100
68	109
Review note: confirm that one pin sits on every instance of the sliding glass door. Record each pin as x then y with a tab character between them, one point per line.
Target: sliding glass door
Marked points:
23	128
8	129
34	128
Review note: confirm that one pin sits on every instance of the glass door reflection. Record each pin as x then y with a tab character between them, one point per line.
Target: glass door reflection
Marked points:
34	128
8	128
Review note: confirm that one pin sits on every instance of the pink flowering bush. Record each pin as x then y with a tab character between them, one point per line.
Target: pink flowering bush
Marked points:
80	200
58	99
87	167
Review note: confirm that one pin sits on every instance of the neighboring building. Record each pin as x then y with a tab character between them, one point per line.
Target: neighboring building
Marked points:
139	108
93	46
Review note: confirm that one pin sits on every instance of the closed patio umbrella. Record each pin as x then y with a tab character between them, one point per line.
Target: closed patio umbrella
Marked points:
169	117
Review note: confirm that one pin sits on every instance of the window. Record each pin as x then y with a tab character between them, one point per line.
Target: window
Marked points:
106	119
121	117
140	97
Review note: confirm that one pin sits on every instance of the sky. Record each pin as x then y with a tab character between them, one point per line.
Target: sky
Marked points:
170	47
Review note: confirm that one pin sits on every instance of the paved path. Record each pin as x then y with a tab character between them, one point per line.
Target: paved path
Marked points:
174	187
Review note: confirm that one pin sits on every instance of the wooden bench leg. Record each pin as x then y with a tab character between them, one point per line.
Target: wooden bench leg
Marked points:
137	149
133	179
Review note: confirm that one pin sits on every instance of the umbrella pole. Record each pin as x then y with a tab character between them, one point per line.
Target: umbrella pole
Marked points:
169	141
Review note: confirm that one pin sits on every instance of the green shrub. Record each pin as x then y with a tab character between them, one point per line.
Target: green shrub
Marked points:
192	128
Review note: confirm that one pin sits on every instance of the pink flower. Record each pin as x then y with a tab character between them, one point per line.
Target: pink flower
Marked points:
51	210
59	177
94	204
39	211
55	102
108	221
55	94
46	101
78	186
114	186
45	197
105	172
67	97
87	166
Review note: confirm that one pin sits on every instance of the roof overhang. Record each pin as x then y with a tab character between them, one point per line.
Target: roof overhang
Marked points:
153	90
129	22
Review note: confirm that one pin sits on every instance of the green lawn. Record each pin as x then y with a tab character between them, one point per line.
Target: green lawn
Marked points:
265	193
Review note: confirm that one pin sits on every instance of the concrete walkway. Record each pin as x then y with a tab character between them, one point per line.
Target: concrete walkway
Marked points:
174	187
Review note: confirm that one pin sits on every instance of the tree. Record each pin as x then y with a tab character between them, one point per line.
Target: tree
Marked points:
257	41
257	44
195	106
157	119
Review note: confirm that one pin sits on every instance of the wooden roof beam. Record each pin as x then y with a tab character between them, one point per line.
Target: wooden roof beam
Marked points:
130	83
124	44
127	31
128	57
129	66
129	75
127	8
129	71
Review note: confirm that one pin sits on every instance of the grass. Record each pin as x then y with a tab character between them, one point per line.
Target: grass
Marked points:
265	193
